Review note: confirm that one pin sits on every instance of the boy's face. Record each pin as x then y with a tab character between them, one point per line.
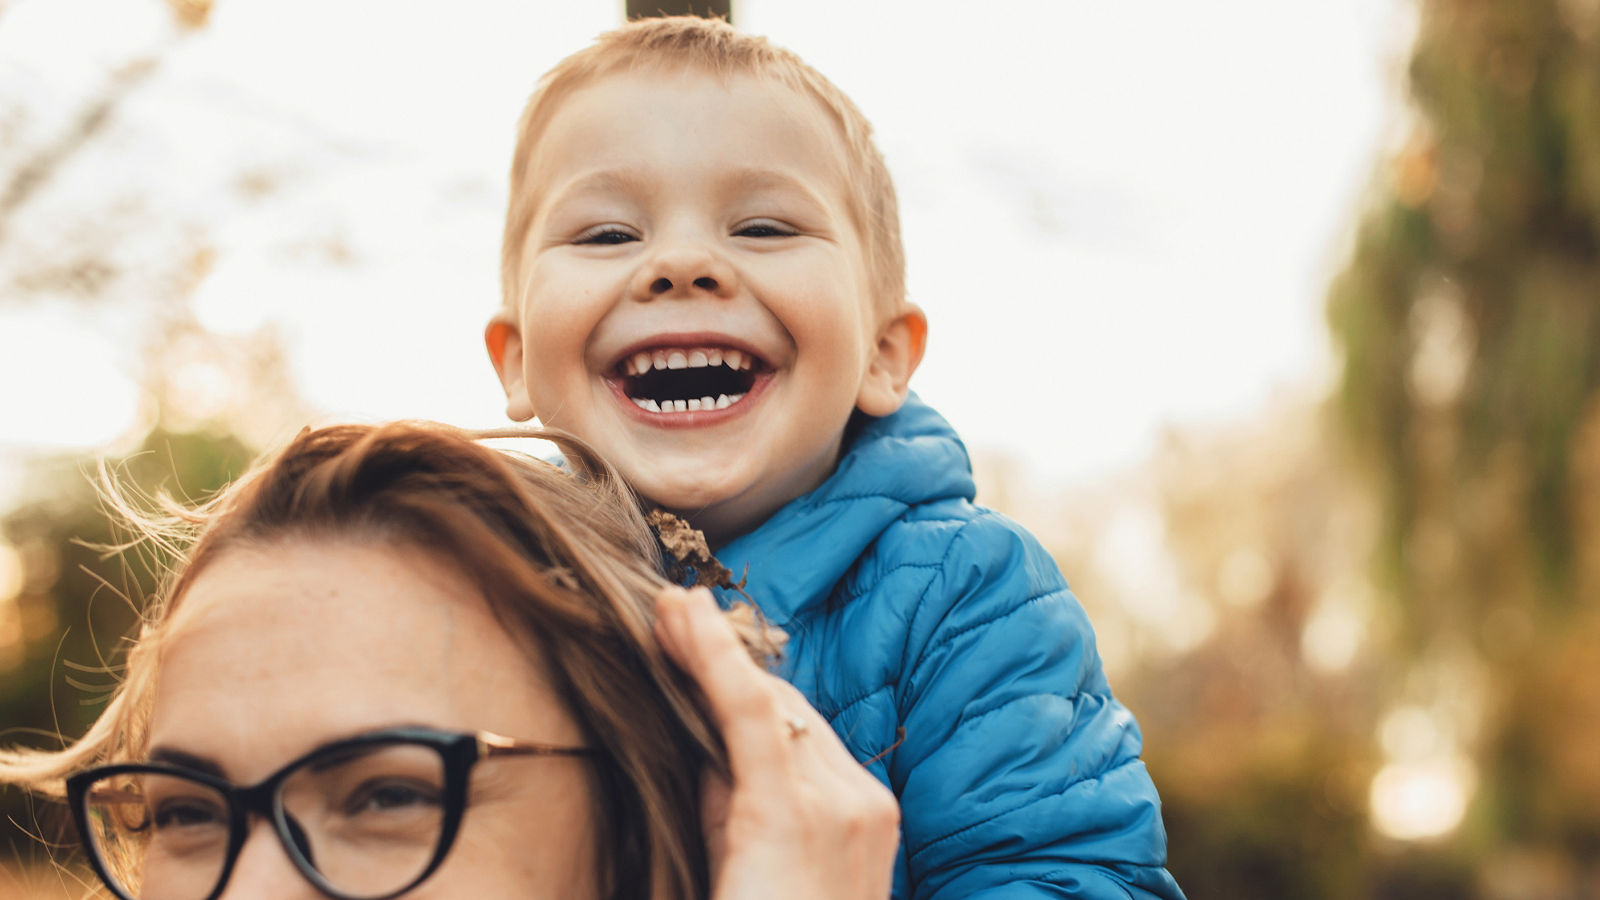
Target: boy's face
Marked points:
693	294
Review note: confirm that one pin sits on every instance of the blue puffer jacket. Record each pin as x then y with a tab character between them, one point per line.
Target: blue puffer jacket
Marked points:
908	605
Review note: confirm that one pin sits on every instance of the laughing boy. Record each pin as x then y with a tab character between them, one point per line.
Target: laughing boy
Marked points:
703	278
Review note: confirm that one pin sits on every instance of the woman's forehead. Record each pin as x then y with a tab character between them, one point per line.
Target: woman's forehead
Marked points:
294	595
291	644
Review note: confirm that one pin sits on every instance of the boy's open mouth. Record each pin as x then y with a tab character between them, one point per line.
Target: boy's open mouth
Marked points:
685	379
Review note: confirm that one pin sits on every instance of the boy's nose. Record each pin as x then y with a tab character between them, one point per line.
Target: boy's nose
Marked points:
684	271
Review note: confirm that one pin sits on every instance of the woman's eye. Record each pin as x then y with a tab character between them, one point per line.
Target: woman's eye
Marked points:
763	229
605	235
381	796
187	814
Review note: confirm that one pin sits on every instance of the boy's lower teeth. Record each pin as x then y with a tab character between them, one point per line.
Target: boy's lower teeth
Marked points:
721	401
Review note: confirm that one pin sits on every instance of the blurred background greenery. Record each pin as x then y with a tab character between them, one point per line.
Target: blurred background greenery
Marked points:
1375	673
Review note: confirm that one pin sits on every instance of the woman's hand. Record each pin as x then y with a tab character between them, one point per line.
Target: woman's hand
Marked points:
802	819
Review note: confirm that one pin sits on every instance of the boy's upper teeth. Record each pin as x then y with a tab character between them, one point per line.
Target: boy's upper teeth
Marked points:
686	358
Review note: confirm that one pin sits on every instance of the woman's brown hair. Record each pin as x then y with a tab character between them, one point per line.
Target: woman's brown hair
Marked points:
565	561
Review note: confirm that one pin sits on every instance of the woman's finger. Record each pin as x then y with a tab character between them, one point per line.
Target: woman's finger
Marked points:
801	817
747	704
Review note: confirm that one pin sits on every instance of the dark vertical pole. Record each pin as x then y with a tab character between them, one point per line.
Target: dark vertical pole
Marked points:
638	9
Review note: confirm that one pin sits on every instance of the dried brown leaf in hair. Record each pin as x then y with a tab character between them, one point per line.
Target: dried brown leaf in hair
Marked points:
689	554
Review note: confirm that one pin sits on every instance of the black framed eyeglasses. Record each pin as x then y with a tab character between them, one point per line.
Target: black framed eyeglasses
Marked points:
364	818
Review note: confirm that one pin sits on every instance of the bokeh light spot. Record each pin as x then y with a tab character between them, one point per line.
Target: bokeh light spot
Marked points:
1421	799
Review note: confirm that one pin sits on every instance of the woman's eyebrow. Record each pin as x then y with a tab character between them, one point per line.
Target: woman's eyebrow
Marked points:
186	760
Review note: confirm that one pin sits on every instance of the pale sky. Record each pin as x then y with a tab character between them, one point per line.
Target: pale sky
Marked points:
1120	217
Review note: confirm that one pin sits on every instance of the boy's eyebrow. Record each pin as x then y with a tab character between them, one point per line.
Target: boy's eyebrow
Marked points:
604	181
757	178
628	180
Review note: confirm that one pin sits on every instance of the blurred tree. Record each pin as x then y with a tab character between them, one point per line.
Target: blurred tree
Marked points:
1469	320
1260	737
211	401
25	179
61	630
208	401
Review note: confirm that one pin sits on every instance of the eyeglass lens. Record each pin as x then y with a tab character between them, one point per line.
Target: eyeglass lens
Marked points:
368	820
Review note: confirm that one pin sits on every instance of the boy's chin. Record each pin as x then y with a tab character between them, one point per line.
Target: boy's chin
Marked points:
687	486
709	512
721	514
729	494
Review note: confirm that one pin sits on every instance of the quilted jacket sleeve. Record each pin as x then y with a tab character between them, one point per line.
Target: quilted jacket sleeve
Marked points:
1020	774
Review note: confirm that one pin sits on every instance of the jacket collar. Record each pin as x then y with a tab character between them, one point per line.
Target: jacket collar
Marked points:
794	559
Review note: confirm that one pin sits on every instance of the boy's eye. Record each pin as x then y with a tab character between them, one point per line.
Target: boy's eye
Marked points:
763	228
605	234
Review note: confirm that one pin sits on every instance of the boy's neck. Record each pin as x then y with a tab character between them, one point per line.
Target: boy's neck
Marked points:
730	520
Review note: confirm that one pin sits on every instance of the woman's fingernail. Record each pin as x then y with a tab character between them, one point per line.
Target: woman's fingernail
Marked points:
663	631
670	617
699	612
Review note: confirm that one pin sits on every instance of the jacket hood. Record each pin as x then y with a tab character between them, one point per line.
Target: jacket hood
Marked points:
794	559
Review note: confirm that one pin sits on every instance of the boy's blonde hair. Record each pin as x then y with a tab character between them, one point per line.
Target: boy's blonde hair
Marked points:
714	47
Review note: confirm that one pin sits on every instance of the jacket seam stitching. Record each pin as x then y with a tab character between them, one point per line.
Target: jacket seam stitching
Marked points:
1072	698
951	638
880	495
856	595
944	559
846	707
1006	812
922	603
933	564
1078	863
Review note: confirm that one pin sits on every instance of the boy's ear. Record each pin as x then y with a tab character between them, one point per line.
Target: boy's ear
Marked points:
899	352
505	351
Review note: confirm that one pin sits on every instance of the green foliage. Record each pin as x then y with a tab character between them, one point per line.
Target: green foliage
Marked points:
1272	833
1469	321
1469	314
78	603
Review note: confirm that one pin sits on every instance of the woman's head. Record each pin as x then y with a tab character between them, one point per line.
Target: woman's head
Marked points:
371	578
280	649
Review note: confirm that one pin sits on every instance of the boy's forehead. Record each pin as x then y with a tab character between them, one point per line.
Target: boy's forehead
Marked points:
635	134
608	119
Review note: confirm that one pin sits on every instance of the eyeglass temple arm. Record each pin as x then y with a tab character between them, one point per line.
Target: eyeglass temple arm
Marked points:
491	744
114	795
